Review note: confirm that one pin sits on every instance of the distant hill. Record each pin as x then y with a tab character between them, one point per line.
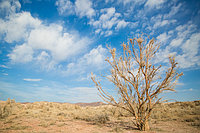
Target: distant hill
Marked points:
90	104
93	104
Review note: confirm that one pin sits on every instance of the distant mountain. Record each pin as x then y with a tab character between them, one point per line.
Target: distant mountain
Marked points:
90	104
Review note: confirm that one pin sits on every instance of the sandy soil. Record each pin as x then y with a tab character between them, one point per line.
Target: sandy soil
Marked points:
49	117
35	125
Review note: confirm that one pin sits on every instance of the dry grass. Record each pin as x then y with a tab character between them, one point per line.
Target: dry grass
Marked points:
188	112
47	115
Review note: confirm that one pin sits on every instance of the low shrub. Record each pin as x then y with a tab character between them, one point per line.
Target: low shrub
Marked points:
7	108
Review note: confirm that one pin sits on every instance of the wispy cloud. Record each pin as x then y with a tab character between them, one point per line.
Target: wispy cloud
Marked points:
174	10
154	3
4	66
54	92
5	74
185	90
65	7
80	7
186	40
32	80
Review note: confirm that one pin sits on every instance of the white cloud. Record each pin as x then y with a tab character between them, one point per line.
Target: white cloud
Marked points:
85	77
163	37
126	2
84	8
108	33
32	80
161	23
174	10
21	54
44	60
107	1
108	20
39	38
65	7
9	7
176	42
4	66
190	48
17	26
81	8
95	57
121	24
94	60
60	45
154	3
184	44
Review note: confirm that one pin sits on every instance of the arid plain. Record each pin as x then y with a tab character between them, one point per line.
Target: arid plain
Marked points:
45	117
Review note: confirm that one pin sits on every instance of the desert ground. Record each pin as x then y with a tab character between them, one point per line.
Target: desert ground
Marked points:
51	117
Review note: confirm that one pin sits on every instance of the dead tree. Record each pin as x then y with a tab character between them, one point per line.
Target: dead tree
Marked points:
138	81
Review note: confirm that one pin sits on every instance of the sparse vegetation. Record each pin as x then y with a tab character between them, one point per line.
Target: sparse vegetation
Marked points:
57	117
7	108
138	80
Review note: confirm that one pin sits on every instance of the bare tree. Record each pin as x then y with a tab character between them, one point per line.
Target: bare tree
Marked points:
138	81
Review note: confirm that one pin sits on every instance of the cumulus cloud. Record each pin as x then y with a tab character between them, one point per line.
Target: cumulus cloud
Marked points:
60	45
9	7
49	45
21	54
45	44
17	26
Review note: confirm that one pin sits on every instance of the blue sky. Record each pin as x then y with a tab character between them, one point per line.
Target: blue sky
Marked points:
48	48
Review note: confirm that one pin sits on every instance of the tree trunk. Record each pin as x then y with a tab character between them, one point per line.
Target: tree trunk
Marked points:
144	126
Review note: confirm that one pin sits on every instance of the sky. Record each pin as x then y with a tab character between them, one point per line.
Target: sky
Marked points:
48	48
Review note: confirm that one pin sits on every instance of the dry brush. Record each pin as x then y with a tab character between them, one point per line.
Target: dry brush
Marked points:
138	80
